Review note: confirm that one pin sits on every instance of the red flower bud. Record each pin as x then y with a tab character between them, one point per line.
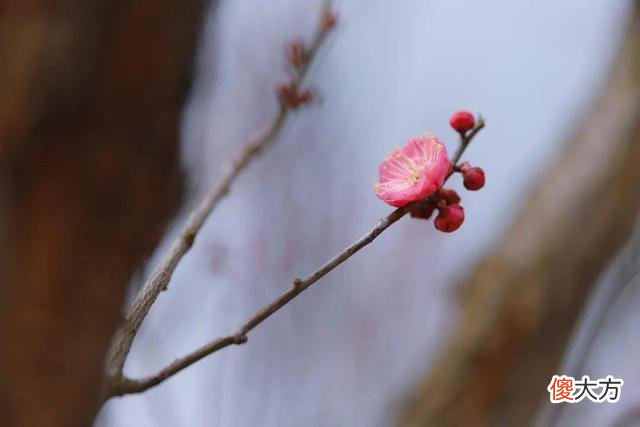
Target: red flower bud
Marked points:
284	92
290	96
422	211
297	54
449	196
473	178
329	20
462	121
449	218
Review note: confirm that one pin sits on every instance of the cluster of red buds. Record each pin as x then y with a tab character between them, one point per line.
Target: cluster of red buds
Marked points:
289	94
447	201
329	20
450	214
298	55
291	97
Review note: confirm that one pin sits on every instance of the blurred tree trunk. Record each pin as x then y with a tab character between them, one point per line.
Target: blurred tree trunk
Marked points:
521	303
91	95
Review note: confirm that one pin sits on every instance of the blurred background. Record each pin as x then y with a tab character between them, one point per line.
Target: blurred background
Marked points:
117	116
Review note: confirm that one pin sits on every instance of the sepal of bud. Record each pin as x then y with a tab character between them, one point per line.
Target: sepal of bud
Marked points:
422	211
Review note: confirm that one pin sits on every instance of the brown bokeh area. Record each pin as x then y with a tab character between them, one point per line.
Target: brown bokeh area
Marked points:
92	94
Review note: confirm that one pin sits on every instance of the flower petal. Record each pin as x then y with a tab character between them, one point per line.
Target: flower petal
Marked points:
414	172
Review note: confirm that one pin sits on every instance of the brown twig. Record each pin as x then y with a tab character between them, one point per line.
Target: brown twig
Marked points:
128	386
160	277
465	139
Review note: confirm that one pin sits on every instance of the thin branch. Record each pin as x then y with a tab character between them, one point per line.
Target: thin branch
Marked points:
160	277
465	139
128	386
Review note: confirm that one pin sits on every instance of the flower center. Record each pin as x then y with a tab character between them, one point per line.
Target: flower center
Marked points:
414	177
412	168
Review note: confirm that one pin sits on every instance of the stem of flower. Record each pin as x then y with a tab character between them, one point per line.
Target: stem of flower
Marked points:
122	385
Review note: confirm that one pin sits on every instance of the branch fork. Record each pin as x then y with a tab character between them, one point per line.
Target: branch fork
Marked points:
116	383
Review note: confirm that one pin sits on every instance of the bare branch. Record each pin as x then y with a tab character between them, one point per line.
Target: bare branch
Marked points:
160	277
128	386
298	286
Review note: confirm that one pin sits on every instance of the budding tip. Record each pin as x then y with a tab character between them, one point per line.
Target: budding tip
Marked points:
329	20
462	121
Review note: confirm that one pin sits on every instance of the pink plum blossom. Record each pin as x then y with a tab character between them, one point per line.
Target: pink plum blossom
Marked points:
413	172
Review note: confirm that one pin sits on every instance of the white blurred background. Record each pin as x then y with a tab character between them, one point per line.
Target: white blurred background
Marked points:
348	350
